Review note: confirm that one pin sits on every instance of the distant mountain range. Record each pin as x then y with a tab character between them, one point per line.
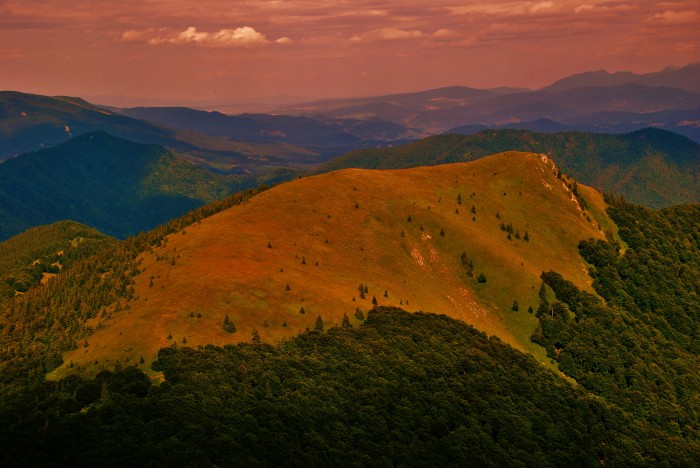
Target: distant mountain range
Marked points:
595	101
235	145
651	166
687	78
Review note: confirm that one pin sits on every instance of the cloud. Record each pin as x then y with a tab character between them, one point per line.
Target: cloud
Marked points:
387	34
676	18
245	36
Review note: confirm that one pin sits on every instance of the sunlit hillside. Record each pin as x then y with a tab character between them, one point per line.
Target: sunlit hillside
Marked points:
302	249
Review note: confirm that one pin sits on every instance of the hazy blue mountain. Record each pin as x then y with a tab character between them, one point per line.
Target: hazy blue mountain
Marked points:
687	78
326	136
114	185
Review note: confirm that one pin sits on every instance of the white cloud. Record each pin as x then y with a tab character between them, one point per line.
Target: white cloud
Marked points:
387	34
445	34
245	36
673	18
541	6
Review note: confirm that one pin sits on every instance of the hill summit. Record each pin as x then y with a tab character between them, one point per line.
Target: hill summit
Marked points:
469	240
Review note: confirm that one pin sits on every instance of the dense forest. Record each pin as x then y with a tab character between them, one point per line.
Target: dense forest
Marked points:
403	389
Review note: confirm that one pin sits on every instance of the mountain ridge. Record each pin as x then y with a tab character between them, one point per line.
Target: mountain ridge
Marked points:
285	256
650	166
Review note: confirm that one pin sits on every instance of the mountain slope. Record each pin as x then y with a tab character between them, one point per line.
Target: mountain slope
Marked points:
687	78
398	108
651	166
37	254
115	185
289	255
30	122
560	106
328	137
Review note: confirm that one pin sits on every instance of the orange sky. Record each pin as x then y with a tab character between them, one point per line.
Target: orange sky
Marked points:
211	50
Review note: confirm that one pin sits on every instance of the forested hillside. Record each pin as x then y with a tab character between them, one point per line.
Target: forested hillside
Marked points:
652	167
406	389
44	251
114	185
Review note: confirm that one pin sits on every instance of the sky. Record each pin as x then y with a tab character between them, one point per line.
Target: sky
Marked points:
175	51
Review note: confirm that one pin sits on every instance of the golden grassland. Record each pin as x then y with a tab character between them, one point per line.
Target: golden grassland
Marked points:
326	234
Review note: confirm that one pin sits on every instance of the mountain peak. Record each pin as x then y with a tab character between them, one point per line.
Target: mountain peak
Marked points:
288	255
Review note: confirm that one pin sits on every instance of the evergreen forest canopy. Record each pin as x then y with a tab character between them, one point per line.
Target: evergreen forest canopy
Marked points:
652	167
407	389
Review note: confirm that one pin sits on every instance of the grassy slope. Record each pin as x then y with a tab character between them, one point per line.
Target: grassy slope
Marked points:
223	265
651	166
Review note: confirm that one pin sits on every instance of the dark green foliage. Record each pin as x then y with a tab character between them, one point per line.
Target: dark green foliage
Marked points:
374	300
359	315
318	325
639	348
346	322
481	278
403	389
117	186
45	249
442	232
515	307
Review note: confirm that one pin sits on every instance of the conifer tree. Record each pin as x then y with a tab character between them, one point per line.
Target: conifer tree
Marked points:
346	322
318	326
255	336
359	315
228	325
